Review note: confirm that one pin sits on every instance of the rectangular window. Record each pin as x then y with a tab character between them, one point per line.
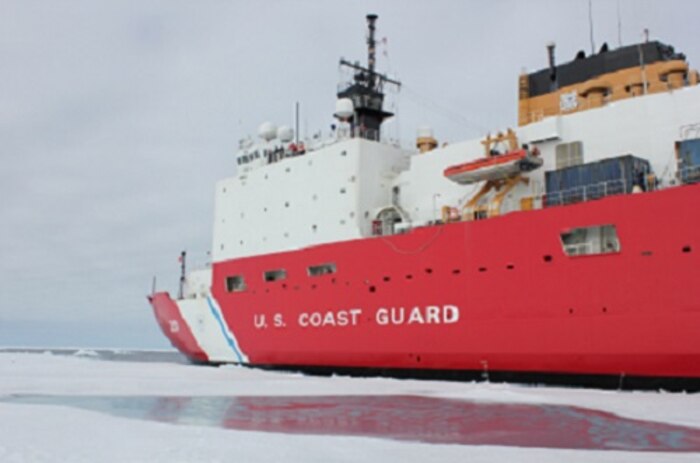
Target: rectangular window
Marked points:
235	283
569	154
585	241
323	269
275	275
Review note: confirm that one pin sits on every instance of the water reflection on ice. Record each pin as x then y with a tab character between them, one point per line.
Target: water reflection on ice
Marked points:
409	418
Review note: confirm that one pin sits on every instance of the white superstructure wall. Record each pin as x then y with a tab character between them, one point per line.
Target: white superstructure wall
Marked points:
323	196
334	193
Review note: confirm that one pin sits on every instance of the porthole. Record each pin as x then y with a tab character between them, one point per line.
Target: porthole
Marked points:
275	275
235	283
591	240
321	269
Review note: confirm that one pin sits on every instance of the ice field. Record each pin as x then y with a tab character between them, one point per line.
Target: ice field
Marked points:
83	407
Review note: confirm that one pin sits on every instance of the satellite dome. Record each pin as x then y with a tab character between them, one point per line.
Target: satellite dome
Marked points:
424	132
285	133
344	109
267	131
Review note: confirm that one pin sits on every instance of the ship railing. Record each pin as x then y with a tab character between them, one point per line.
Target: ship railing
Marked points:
690	131
690	174
585	193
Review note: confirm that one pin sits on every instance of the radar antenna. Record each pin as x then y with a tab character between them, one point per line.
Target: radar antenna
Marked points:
366	90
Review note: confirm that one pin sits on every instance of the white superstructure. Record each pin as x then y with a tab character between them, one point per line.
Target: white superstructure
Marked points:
337	192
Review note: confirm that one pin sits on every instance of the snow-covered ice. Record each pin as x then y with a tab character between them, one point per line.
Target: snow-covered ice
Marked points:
44	416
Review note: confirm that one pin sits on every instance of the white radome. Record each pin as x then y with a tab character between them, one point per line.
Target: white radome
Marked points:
267	131
424	132
344	109
285	134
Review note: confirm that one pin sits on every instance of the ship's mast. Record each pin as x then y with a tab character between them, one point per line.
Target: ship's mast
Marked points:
371	47
365	90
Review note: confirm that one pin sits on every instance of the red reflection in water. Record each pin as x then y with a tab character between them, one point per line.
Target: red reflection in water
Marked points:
409	418
447	421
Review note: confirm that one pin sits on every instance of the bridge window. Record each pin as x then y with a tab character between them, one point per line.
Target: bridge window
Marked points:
598	239
235	283
569	154
322	269
275	275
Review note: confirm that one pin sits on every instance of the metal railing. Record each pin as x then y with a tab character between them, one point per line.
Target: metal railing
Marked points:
586	193
689	174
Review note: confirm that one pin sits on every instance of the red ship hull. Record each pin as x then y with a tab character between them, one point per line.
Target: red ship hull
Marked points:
492	295
175	327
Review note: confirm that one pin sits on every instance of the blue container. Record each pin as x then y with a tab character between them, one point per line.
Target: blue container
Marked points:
688	154
595	180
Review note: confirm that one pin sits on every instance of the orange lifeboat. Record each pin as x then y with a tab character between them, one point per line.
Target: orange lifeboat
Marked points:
494	167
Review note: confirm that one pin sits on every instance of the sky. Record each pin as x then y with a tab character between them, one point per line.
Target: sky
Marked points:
117	118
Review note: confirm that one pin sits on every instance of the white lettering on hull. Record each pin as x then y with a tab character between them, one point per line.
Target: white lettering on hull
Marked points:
429	315
330	318
383	316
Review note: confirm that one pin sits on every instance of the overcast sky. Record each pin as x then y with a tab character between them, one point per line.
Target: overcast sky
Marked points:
117	117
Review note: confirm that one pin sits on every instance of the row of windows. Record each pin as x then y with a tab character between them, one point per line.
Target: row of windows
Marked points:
599	239
246	158
574	241
236	283
277	154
